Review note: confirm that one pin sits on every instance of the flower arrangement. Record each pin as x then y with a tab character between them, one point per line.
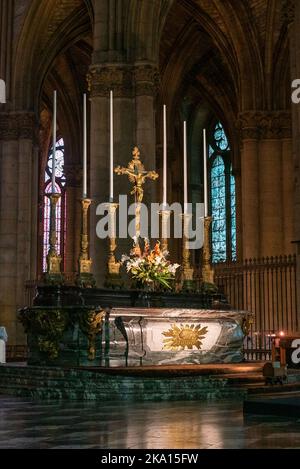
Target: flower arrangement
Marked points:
148	267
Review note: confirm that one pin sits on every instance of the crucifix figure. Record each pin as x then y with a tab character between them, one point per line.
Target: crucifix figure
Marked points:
137	175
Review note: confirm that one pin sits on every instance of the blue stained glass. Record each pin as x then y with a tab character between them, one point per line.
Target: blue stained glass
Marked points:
233	216
222	197
220	137
218	209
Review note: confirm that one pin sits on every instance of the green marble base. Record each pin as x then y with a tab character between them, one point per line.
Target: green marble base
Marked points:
69	336
76	384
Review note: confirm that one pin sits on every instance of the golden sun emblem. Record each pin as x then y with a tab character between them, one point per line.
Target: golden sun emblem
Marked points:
184	336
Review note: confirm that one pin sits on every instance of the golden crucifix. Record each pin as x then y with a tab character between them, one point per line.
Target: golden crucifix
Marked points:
137	175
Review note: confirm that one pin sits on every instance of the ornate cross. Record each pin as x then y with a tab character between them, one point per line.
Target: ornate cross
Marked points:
137	175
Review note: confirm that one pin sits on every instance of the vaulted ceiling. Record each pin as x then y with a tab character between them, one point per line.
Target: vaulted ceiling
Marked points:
233	53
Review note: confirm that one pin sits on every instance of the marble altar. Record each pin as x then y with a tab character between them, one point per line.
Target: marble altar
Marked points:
164	336
71	326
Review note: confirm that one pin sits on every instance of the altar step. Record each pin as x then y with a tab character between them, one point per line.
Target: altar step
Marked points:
189	382
81	384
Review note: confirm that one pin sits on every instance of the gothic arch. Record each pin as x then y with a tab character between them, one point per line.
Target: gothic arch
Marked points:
43	37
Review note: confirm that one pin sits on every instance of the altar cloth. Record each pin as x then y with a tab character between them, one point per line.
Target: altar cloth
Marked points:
161	336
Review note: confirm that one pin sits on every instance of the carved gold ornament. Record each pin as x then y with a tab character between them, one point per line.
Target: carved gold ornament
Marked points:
184	336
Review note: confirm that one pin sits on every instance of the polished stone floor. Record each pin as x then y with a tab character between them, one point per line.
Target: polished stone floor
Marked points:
27	424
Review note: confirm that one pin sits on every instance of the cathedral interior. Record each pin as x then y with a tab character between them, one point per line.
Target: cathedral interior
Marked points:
227	66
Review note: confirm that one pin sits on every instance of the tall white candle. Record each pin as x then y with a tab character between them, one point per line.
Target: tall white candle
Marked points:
111	187
54	143
84	189
164	155
185	179
205	174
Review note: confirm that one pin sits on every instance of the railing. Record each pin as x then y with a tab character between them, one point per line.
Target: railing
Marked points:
267	287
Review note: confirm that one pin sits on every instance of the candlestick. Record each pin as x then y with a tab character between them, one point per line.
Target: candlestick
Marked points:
205	174
111	190
165	229
85	277
54	144
84	189
164	156
207	270
113	277
53	275
187	275
185	180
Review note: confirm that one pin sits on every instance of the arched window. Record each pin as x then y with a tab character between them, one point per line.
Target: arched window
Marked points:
60	187
222	197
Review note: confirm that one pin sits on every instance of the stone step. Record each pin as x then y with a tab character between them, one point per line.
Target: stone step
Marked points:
80	384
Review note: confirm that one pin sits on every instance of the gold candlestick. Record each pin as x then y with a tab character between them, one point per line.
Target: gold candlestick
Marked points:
53	275
113	277
188	282
208	273
85	277
165	216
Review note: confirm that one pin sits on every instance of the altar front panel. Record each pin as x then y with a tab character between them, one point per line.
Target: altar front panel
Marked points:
157	336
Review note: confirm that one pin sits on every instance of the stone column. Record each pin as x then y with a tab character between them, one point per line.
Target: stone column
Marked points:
250	185
287	195
266	197
103	79
270	198
125	61
73	216
291	13
6	34
146	87
18	214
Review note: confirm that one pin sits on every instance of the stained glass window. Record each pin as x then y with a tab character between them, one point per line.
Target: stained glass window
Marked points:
60	182
222	197
218	208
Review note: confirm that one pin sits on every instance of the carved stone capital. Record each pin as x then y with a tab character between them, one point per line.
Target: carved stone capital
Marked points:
124	80
16	125
102	79
146	78
257	125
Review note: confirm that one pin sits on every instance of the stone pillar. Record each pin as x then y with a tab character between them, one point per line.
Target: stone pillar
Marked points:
266	197
18	215
6	34
122	63
270	198
73	222
146	87
239	213
250	186
287	195
102	80
291	13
